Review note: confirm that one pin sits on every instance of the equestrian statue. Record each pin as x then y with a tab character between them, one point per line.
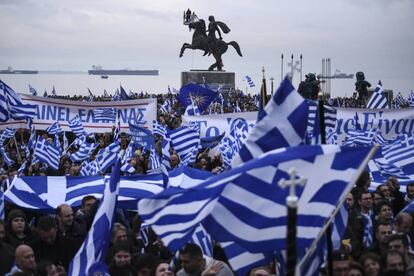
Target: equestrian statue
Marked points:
207	41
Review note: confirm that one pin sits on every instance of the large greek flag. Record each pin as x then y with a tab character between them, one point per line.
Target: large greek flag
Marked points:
282	124
47	153
12	107
223	203
184	140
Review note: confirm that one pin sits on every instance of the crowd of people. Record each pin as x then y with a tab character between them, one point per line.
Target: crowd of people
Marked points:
379	239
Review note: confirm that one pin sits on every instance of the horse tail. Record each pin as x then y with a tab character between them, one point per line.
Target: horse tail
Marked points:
236	46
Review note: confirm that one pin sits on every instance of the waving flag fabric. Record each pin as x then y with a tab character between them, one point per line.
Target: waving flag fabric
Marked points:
201	95
250	82
95	245
233	142
158	129
76	126
46	193
184	140
6	134
32	90
166	106
283	124
223	203
85	150
378	99
47	153
11	105
410	99
142	136
54	129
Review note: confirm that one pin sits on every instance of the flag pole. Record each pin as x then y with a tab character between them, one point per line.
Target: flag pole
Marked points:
351	183
292	208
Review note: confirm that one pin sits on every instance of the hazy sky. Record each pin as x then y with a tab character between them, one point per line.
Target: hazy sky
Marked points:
374	36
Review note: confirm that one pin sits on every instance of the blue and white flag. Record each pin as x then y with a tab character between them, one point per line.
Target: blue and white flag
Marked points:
89	168
5	157
105	114
123	95
410	99
166	106
127	168
54	129
400	151
378	99
154	160
76	126
201	95
85	150
6	134
46	193
141	136
250	82
223	203
108	157
203	240
231	144
184	140
47	153
192	109
283	124
158	129
243	261
11	105
399	101
54	91
95	245
32	90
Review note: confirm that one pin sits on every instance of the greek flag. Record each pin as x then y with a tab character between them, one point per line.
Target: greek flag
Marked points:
243	261
158	129
105	114
283	124
250	82
32	90
85	150
165	151
76	126
378	99
401	151
410	99
47	153
165	107
184	140
357	137
6	134
54	129
192	109
399	101
95	246
386	169
154	160
124	96
54	91
11	105
89	168
203	240
223	203
108	156
331	136
46	193
141	135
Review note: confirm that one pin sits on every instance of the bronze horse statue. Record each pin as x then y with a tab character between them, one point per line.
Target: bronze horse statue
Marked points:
200	42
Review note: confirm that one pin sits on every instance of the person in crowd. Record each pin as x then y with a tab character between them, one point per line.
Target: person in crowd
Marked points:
340	263
47	268
394	264
365	217
145	265
51	245
384	212
403	225
121	263
371	264
6	257
2	230
355	269
193	262
400	243
378	197
83	214
382	234
397	197
24	261
17	230
68	226
409	196
163	269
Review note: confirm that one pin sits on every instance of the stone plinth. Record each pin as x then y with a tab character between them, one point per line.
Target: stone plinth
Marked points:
212	78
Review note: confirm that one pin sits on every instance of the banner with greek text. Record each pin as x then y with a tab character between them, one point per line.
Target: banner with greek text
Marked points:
391	122
50	110
214	125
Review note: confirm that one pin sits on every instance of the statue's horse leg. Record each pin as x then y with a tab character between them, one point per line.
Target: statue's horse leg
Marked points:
185	46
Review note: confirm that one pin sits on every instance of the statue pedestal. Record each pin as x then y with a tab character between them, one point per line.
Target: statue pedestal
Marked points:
214	79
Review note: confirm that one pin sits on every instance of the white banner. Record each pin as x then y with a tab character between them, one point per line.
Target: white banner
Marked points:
50	110
391	122
213	125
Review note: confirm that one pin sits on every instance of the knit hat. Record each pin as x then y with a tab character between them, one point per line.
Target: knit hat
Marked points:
16	213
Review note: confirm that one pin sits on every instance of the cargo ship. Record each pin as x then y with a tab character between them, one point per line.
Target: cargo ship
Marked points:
10	70
98	70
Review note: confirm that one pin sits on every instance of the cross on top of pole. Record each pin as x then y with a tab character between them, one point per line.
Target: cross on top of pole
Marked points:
292	199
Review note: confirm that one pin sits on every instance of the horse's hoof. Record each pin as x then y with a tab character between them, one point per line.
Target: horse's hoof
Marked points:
181	55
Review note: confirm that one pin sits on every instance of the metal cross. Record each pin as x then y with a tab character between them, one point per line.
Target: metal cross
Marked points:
292	199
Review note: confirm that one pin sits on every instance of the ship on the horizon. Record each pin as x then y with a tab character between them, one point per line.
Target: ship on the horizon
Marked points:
339	75
10	70
98	70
